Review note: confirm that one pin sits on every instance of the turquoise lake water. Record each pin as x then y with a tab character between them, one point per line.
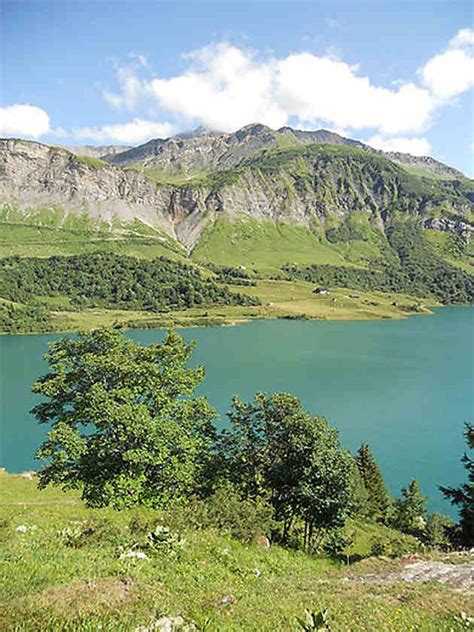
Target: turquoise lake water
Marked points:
405	387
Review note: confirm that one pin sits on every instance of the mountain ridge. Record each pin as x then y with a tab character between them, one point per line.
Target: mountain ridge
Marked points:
317	186
173	152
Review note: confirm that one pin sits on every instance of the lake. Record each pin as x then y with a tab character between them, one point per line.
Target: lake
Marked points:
405	387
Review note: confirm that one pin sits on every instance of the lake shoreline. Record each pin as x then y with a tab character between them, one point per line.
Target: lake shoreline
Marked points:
403	386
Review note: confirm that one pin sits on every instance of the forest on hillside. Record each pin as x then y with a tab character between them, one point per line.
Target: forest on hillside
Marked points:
411	266
116	282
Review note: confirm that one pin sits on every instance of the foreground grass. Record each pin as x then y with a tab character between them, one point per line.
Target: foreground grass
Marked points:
47	585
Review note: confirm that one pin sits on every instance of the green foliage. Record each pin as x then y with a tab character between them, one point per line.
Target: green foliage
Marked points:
16	318
226	510
46	585
416	269
463	496
410	510
378	501
438	531
314	621
163	540
111	281
275	449
126	428
91	161
394	547
336	542
232	275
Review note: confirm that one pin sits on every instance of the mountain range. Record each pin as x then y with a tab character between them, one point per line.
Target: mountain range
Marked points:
226	197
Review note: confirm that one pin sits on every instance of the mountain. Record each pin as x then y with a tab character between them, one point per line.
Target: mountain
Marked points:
205	150
231	198
97	151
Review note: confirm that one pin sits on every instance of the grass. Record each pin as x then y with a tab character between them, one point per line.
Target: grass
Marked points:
266	246
444	245
47	585
280	299
91	161
44	241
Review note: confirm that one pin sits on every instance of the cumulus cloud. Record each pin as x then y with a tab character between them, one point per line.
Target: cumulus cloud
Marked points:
136	131
24	121
450	73
415	146
225	87
464	37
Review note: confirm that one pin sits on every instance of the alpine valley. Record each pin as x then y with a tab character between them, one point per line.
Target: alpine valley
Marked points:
212	228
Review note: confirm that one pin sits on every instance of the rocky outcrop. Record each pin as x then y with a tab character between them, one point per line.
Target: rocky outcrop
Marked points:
447	225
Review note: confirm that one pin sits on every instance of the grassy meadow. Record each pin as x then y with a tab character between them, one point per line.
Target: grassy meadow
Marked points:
52	580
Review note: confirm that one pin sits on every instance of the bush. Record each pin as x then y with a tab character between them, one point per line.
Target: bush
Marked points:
95	531
225	510
393	547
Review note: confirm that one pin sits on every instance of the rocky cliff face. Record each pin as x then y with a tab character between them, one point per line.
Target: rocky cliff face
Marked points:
313	185
33	175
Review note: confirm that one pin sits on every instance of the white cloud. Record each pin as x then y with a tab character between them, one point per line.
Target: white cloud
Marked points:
131	91
464	37
137	131
319	88
226	87
23	120
414	146
450	73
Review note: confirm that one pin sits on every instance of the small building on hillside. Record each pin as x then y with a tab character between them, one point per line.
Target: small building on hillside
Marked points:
321	290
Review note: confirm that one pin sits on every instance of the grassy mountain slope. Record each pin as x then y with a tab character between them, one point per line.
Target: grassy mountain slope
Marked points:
50	580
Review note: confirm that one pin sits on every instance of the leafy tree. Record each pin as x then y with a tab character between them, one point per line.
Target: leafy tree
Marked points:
463	496
277	448
125	425
410	510
378	501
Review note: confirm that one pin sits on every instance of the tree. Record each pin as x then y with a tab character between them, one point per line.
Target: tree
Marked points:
463	496
410	510
378	501
125	426
275	447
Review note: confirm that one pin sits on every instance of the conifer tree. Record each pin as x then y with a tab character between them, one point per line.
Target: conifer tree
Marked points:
378	501
463	496
410	510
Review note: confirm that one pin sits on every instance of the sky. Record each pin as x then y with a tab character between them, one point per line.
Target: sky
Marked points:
398	75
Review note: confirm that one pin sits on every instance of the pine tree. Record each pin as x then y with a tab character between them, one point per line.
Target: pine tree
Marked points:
378	501
410	510
463	496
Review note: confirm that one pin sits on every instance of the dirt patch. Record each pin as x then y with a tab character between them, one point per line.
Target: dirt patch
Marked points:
84	597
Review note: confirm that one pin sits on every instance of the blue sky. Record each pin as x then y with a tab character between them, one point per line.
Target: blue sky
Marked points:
399	75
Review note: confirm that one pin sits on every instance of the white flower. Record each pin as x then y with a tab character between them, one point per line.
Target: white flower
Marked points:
22	528
137	555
